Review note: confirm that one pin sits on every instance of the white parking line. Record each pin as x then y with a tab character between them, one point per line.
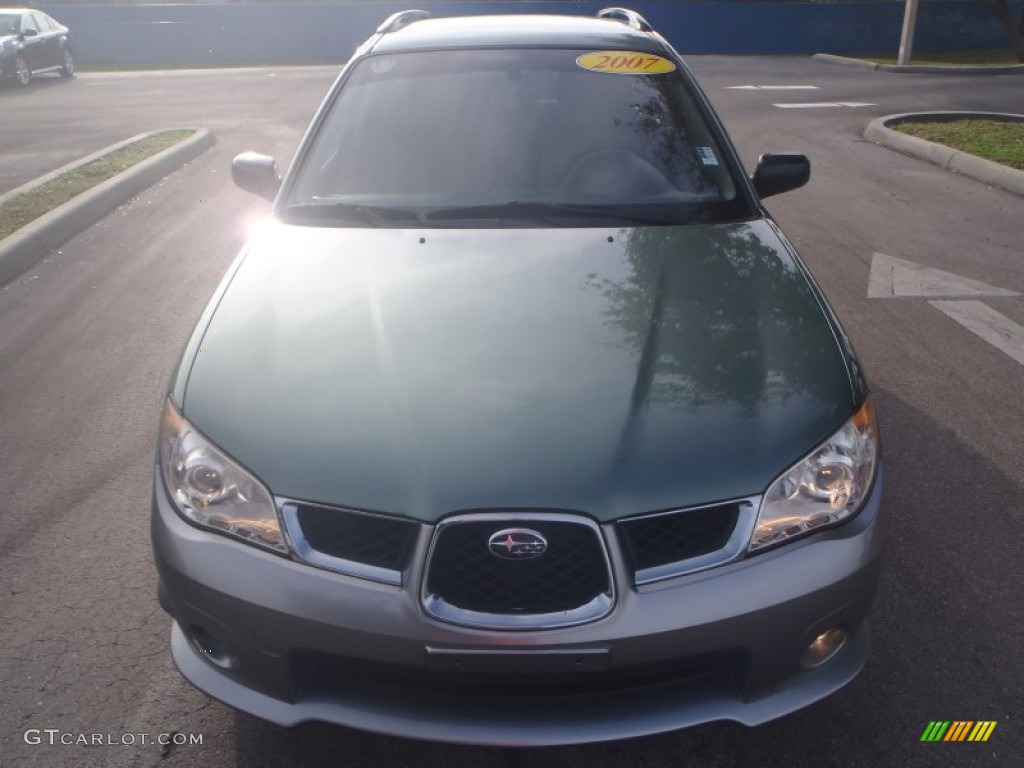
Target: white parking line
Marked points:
890	277
980	319
823	105
771	88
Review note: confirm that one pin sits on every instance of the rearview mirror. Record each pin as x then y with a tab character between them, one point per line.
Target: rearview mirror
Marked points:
780	173
256	173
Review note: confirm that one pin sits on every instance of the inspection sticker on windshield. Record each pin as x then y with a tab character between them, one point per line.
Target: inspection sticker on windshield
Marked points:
707	155
625	63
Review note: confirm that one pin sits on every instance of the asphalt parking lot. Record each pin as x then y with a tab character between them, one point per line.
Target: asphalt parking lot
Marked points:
89	336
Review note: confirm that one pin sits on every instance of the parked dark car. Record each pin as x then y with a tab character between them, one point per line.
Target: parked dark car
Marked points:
32	43
520	422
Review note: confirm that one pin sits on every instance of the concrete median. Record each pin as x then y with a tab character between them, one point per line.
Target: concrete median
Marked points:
35	240
975	167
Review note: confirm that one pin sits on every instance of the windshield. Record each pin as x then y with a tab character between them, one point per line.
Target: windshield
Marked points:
441	137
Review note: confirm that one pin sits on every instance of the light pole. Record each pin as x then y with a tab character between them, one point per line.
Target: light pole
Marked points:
907	38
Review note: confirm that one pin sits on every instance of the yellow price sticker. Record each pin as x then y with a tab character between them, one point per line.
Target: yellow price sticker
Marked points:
625	63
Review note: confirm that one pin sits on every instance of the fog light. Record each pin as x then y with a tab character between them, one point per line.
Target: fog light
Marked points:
213	650
823	647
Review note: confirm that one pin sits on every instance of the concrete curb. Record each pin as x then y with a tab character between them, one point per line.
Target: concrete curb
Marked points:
918	69
975	167
845	61
21	249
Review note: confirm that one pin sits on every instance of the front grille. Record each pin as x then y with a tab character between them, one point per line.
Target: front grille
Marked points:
374	540
658	540
466	580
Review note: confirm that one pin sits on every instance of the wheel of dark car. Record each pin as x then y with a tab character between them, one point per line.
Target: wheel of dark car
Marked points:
68	67
22	74
613	173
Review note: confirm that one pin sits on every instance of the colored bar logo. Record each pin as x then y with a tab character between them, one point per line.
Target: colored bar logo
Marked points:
958	730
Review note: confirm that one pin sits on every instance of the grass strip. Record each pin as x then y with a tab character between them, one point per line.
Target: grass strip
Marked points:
996	58
21	209
996	140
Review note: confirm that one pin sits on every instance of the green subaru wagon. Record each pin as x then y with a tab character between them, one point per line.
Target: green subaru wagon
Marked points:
519	421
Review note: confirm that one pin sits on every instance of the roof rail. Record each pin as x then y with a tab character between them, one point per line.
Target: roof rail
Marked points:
632	18
396	21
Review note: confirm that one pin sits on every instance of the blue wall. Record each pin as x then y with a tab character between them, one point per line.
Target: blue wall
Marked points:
197	35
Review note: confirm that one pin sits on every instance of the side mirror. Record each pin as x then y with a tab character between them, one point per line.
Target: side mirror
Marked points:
780	173
256	173
28	33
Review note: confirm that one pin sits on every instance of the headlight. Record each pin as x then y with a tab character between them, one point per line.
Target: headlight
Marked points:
211	490
827	487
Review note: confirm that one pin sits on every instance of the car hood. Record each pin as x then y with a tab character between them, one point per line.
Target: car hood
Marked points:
611	371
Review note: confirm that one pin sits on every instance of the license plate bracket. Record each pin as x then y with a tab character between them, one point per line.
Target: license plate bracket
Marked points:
509	662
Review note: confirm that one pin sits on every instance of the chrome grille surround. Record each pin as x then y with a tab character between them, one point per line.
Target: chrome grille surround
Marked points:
307	553
597	607
733	549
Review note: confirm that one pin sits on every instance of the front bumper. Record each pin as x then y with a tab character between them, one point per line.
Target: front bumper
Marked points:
297	643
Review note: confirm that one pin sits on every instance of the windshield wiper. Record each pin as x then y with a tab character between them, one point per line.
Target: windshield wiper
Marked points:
550	213
369	214
544	211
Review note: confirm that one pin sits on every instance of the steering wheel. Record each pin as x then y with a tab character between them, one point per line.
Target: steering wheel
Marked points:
613	173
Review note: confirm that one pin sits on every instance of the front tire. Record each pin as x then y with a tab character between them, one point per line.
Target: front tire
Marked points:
22	74
68	67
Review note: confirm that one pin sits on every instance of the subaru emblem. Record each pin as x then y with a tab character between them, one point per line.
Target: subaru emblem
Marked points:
517	544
